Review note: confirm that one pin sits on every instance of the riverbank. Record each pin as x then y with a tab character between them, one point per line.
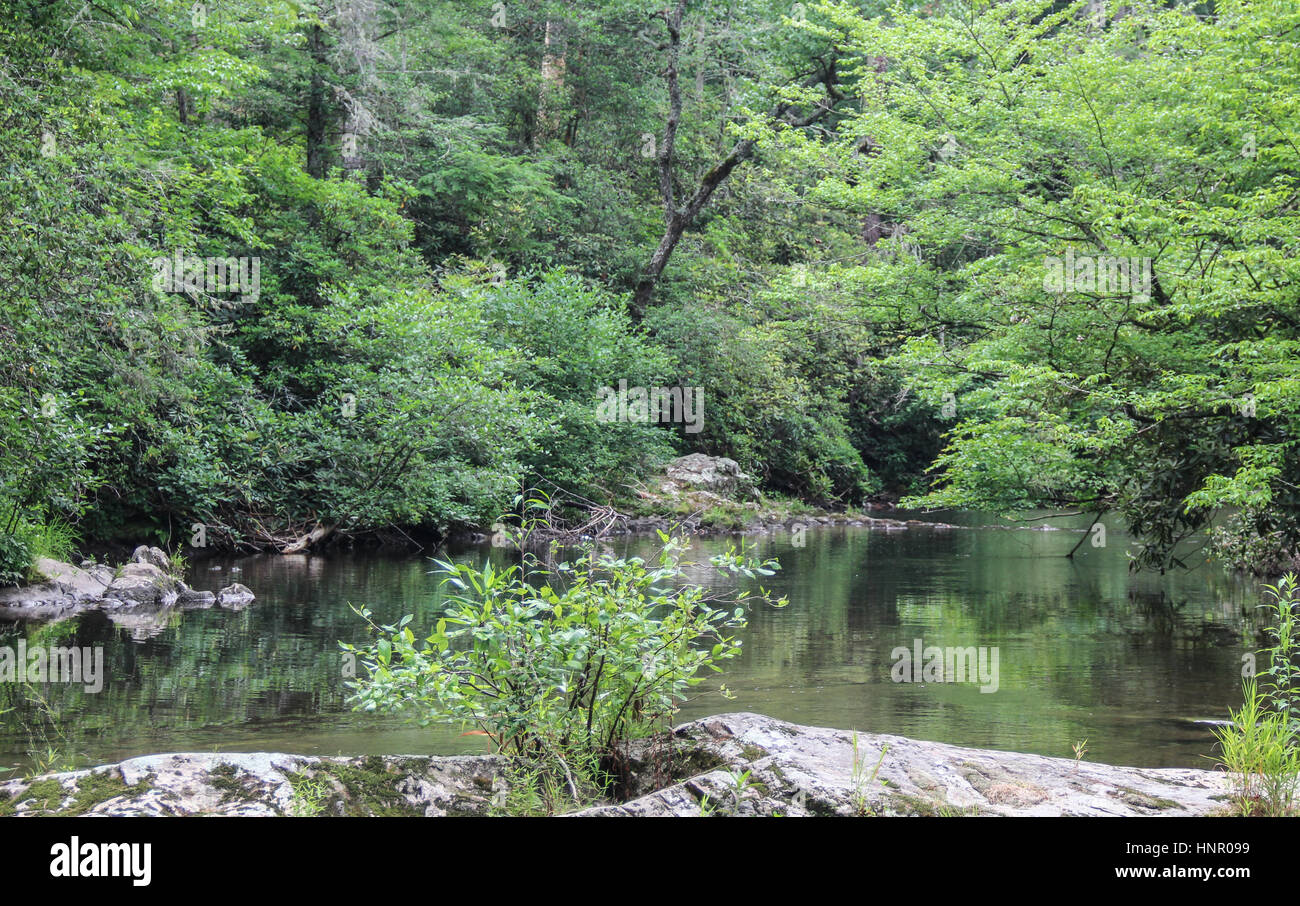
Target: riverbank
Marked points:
702	495
730	764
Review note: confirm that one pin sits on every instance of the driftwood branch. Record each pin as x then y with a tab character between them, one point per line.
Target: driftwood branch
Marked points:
315	536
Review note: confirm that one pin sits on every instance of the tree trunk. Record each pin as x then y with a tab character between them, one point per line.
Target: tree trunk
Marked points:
677	218
316	112
553	66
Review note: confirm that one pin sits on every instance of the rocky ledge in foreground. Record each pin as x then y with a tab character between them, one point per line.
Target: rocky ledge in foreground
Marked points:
792	770
144	586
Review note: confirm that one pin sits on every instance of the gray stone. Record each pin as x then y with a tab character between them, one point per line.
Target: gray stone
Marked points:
67	589
141	584
797	770
715	474
189	599
732	764
81	584
154	556
269	784
234	597
137	595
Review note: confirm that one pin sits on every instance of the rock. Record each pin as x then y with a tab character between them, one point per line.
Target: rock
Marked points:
797	770
716	474
154	556
80	584
189	599
234	597
793	770
67	589
265	784
38	602
103	574
141	584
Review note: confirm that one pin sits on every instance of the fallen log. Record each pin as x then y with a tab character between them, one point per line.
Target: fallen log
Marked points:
315	536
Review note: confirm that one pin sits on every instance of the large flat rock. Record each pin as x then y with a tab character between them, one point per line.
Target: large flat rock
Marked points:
796	770
732	764
263	784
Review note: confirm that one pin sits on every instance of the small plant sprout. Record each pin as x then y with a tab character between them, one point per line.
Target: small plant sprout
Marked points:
1080	749
864	776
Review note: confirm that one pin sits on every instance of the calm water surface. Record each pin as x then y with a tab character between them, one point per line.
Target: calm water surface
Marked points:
1086	650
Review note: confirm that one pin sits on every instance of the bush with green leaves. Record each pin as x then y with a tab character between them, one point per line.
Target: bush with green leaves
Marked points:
30	540
1261	747
560	662
565	339
774	403
1261	758
1280	682
1155	138
15	558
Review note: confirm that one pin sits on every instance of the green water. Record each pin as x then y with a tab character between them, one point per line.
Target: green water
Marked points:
1086	650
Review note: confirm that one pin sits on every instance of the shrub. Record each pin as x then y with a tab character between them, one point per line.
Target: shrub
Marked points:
1261	758
566	339
1281	681
1259	748
15	558
32	541
561	664
769	405
52	538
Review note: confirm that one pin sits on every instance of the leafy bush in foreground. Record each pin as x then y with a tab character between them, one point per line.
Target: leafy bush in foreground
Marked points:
561	664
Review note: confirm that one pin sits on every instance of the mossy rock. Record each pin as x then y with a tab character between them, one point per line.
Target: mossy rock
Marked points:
51	797
364	790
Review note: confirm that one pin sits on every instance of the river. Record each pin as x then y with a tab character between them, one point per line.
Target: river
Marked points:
1086	650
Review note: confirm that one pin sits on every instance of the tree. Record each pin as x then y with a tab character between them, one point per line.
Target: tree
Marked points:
681	214
1101	222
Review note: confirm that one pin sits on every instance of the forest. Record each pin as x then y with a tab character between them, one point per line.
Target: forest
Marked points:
272	266
322	295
